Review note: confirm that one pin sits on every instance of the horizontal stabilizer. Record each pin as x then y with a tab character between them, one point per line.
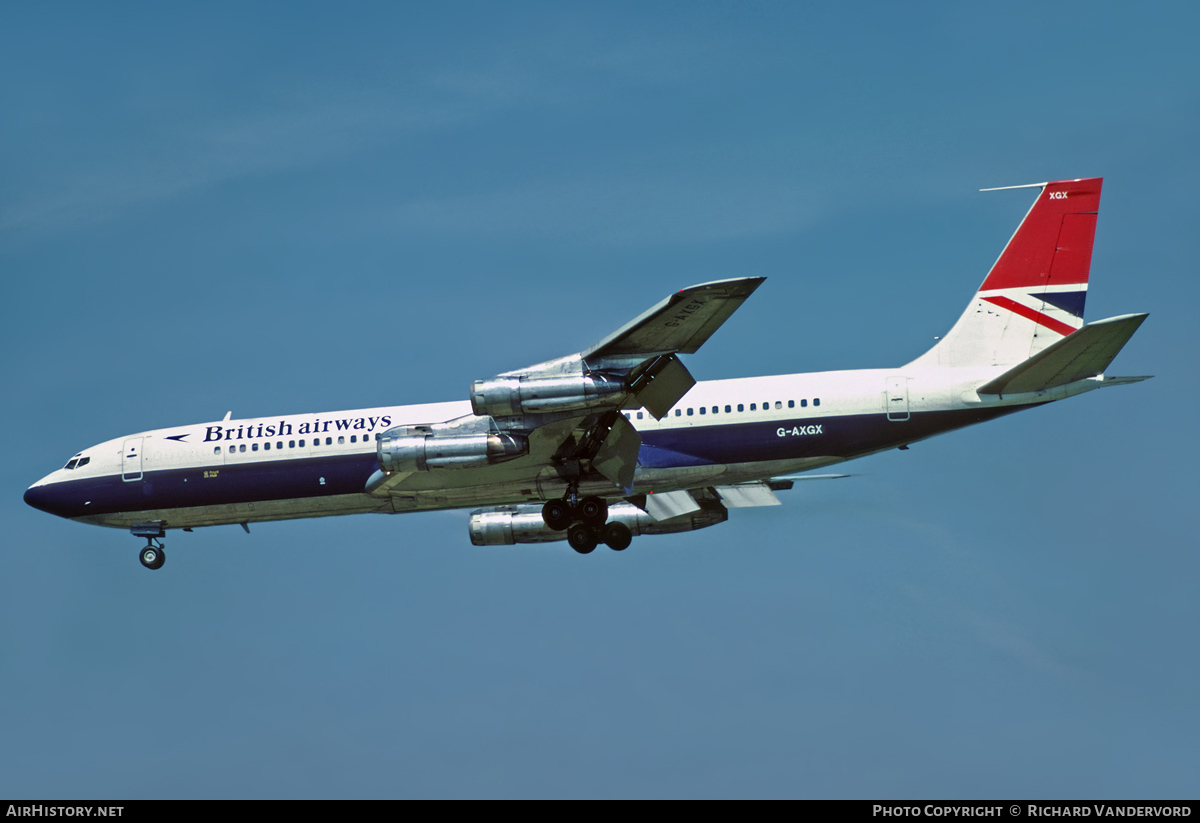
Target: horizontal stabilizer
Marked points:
1084	353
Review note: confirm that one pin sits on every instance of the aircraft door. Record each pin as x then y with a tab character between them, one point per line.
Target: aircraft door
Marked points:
896	398
131	459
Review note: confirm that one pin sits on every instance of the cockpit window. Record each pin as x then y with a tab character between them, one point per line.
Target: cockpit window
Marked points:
83	461
77	461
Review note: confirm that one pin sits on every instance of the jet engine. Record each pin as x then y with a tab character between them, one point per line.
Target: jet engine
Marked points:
421	448
522	523
532	394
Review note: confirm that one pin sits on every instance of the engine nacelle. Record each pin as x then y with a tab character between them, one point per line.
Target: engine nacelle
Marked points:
530	394
492	527
421	448
523	523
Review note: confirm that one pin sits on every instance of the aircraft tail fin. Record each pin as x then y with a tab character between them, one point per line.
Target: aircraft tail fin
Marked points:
1034	295
1086	353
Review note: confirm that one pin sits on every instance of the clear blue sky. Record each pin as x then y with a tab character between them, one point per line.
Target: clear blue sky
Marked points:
282	208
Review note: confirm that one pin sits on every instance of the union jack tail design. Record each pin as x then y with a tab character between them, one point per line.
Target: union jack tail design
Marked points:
1035	293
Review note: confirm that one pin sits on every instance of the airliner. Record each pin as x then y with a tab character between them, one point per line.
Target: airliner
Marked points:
619	440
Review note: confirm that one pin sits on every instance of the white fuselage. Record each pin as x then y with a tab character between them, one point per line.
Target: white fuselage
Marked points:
311	465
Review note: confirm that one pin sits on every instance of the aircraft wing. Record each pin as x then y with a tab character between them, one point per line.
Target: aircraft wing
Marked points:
680	323
564	415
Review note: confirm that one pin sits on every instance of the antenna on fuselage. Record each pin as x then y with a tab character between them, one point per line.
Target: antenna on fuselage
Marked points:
226	417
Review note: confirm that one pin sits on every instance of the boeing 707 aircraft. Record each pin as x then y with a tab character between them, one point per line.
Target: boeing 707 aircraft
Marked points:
619	439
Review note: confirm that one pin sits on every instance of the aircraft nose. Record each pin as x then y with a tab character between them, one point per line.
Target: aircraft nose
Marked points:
42	496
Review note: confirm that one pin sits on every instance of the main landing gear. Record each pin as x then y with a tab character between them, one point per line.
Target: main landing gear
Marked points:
585	522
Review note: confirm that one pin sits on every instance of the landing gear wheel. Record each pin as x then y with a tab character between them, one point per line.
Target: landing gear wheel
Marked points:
556	514
593	511
153	557
582	538
618	536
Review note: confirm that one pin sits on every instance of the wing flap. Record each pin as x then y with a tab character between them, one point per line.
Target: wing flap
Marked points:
668	505
1084	353
666	381
618	454
747	495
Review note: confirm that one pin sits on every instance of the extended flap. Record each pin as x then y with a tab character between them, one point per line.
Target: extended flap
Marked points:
663	385
747	495
618	454
667	505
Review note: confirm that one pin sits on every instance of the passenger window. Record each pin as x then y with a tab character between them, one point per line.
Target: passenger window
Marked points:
242	448
716	409
328	441
279	445
254	447
703	410
266	447
689	412
216	450
791	404
741	408
678	412
301	444
341	440
639	415
728	409
779	404
292	444
803	404
753	407
353	438
816	401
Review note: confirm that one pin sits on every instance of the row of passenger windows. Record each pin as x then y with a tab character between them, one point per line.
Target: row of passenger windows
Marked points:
291	444
791	404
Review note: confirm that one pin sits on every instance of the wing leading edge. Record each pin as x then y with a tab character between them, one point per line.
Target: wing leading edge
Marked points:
681	323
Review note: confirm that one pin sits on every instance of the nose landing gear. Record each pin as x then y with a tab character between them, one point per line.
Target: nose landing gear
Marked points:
152	555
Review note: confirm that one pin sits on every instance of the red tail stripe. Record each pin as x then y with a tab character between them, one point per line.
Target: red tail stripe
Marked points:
1055	236
1030	314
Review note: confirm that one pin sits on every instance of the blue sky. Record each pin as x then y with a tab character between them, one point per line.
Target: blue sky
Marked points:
283	208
